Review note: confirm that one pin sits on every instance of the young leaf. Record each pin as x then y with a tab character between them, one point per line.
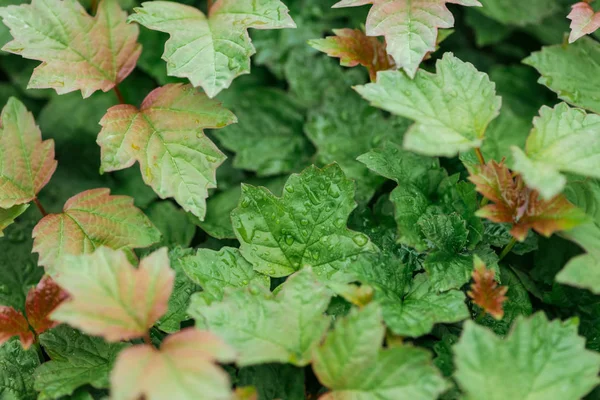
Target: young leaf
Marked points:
111	298
8	216
485	291
40	303
89	220
563	139
76	360
521	206
166	137
410	27
212	51
583	20
353	47
184	368
26	161
78	52
306	227
540	359
352	364
452	108
263	327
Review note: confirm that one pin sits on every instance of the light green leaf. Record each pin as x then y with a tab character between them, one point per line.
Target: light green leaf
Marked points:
263	327
8	216
572	71
352	364
516	12
563	139
584	270
215	271
75	360
539	359
306	227
16	371
452	108
212	51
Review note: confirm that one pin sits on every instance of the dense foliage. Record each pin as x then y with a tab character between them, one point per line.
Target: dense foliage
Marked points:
368	199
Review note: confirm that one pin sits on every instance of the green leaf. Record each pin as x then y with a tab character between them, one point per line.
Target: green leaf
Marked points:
274	381
452	108
539	359
16	371
487	31
306	227
571	71
172	222
584	270
563	139
221	45
75	360
215	271
183	289
272	127
8	216
352	364
263	327
343	128
515	12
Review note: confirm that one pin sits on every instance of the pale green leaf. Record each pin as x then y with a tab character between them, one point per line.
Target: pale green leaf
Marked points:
8	216
263	327
538	360
306	227
452	108
212	51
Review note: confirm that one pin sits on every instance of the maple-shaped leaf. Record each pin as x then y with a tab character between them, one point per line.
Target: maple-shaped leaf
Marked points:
351	362
40	302
184	368
26	161
166	137
8	215
516	204
485	291
538	359
78	52
410	27
583	20
89	220
110	297
306	227
265	327
563	139
212	51
452	108
353	47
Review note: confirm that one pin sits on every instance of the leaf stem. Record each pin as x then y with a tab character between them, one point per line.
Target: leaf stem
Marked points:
147	339
38	349
480	156
94	7
507	249
209	4
119	94
40	207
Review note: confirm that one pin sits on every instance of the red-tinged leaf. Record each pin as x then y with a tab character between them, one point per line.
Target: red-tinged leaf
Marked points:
583	20
111	298
41	301
13	323
184	368
78	52
89	220
521	206
166	137
26	161
354	47
485	291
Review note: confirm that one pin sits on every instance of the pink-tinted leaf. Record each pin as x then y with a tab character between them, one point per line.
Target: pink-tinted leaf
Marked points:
485	291
110	297
78	52
184	368
26	162
583	20
13	323
166	137
410	27
89	220
353	47
41	301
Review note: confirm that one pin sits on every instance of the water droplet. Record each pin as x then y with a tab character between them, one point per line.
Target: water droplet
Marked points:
244	282
289	240
304	232
360	240
289	189
304	222
339	222
245	202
